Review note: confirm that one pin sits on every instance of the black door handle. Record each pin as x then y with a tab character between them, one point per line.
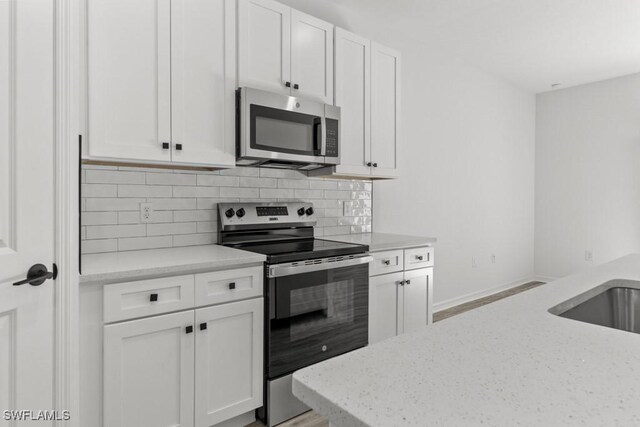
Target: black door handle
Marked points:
37	274
296	86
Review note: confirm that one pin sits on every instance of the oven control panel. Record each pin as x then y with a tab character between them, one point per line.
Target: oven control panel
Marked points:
233	216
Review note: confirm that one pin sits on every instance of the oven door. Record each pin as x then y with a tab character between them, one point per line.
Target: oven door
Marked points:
281	128
316	313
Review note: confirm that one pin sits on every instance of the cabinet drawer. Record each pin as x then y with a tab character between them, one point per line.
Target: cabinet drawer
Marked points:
386	262
418	258
228	285
147	297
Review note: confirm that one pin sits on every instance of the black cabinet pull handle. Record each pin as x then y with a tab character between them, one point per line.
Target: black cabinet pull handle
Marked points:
232	285
189	329
375	165
408	282
37	274
369	163
296	86
287	84
420	257
401	283
386	262
178	147
153	297
203	326
166	145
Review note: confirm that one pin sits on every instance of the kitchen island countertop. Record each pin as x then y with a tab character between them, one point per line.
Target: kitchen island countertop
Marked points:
507	363
383	241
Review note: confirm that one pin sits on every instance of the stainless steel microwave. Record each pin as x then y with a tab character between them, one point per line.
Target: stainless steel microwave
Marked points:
279	131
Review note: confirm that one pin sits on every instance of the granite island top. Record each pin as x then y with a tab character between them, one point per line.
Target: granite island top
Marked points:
383	241
135	265
507	363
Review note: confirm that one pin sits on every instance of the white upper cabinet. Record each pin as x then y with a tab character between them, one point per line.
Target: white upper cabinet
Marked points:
203	74
385	110
161	81
353	96
264	45
129	72
284	51
311	57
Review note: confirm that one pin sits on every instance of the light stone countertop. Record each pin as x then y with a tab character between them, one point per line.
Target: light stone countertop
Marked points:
135	265
384	242
507	363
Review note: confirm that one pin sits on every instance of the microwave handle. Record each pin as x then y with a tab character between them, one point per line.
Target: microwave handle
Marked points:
323	136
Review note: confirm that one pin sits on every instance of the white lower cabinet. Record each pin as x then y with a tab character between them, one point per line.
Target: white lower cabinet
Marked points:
399	302
198	367
228	361
149	372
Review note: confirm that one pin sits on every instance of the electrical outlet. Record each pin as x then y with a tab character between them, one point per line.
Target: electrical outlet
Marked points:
474	263
493	258
146	212
588	255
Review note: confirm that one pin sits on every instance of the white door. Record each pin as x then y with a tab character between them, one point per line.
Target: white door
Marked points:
26	204
148	372
384	313
385	110
203	82
416	299
311	57
264	45
353	90
129	72
228	361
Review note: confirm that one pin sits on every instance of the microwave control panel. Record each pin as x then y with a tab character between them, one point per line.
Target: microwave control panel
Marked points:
332	138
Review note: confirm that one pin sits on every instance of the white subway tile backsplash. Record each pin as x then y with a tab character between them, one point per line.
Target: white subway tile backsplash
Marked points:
185	204
114	177
170	229
144	191
99	190
108	231
138	243
99	218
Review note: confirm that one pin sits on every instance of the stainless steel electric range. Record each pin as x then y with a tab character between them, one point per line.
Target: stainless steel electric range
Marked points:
316	293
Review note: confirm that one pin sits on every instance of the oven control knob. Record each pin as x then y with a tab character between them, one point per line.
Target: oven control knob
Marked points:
240	212
301	211
230	212
309	211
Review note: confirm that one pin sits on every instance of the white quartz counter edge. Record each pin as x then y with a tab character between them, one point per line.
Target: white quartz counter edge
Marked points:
378	242
510	362
135	265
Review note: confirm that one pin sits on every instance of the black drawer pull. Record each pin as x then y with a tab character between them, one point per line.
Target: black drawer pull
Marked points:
189	329
178	147
420	257
408	282
203	326
232	285
153	297
296	86
165	145
387	262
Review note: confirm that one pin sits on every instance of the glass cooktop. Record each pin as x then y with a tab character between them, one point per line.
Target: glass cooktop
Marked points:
298	250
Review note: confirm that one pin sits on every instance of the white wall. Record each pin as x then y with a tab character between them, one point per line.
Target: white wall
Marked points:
467	163
587	175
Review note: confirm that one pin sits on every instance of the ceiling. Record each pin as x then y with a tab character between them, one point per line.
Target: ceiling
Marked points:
533	43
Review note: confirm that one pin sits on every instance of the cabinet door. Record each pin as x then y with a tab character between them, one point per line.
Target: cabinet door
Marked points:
148	372
264	45
417	299
353	89
385	110
311	57
129	69
203	82
229	379
383	306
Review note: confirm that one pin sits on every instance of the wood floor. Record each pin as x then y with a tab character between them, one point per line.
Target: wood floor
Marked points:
312	419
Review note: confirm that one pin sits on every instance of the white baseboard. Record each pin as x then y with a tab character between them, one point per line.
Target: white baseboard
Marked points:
443	305
545	279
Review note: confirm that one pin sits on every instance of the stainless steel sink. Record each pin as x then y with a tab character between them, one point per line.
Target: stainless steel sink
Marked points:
614	304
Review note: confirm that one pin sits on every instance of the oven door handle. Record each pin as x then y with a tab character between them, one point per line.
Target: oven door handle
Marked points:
279	270
323	136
